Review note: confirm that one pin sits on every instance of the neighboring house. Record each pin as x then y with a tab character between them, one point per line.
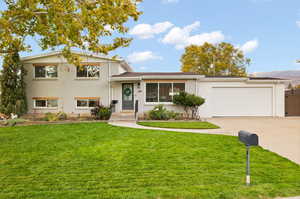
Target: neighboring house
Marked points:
55	85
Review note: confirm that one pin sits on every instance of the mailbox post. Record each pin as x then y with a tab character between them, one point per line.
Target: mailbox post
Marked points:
249	139
248	166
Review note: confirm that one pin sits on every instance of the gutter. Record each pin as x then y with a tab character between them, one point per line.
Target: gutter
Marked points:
268	81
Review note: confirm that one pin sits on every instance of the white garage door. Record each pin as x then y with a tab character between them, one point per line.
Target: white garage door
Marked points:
237	101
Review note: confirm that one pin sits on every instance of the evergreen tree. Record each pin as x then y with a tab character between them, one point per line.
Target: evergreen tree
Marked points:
290	86
13	94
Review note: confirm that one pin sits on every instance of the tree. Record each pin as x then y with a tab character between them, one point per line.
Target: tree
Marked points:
189	102
67	24
222	59
83	24
290	86
13	97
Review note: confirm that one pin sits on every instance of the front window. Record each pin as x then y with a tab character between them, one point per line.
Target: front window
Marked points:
45	71
87	103
151	92
178	87
88	71
46	103
163	92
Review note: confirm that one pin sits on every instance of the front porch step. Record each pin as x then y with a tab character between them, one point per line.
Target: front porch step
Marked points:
123	116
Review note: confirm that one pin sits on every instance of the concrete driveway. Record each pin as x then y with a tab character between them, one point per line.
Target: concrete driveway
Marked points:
280	135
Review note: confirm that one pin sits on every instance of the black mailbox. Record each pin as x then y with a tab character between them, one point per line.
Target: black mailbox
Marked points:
249	139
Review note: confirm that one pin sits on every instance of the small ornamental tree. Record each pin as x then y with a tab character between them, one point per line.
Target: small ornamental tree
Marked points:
13	96
189	102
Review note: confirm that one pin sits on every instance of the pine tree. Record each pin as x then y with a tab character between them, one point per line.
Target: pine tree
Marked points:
290	86
13	93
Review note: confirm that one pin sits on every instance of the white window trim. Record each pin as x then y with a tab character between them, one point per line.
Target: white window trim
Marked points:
156	103
46	107
87	78
44	78
84	107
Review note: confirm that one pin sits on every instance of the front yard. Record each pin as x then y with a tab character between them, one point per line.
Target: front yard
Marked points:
97	160
180	125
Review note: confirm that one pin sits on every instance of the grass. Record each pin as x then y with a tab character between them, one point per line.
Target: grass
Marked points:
181	125
97	160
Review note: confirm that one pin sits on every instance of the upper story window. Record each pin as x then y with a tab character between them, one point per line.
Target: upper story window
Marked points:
163	92
45	71
88	71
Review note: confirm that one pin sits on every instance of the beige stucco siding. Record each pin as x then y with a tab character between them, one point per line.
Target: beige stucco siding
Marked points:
190	87
67	86
205	89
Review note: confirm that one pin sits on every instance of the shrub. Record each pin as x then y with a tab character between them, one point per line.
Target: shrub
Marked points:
174	115
51	117
101	112
161	113
189	102
61	116
13	122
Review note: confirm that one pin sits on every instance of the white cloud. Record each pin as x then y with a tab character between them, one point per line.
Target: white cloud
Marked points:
181	37
249	46
143	68
108	28
146	31
136	57
170	1
298	23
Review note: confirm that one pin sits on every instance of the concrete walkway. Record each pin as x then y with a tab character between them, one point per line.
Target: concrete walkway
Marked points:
133	124
280	135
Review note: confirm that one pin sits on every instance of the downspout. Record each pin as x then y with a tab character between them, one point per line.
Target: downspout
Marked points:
275	100
196	87
109	85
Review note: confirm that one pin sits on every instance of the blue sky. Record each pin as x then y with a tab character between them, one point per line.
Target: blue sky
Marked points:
267	30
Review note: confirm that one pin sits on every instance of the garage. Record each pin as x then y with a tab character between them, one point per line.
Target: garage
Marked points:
242	101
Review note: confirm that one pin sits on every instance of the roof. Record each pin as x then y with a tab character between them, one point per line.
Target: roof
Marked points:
188	75
250	78
265	78
155	75
87	54
139	74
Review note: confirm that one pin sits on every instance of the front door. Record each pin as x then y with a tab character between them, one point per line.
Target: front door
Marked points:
127	96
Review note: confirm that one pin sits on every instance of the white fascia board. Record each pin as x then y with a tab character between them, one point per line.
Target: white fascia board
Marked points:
173	77
53	53
207	79
268	81
126	66
117	79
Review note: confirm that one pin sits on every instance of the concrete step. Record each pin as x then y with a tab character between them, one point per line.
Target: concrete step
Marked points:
128	116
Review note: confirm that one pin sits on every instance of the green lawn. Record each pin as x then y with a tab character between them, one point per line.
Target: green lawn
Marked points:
181	125
97	160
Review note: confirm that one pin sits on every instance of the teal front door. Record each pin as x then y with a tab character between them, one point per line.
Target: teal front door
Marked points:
127	96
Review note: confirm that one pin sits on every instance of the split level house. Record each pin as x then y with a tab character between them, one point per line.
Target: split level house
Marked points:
55	85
